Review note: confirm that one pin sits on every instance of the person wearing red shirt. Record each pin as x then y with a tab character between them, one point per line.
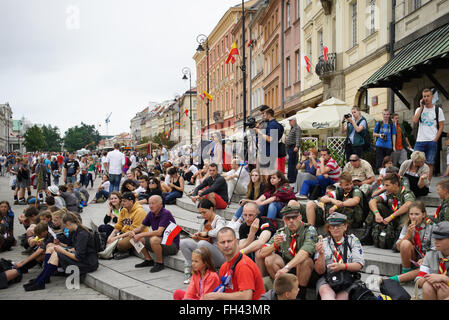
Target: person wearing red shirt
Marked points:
244	282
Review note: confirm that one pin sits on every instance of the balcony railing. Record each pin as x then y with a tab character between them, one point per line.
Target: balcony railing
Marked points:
324	68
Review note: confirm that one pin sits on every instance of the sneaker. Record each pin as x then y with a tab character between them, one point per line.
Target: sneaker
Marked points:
121	255
301	196
188	278
145	263
157	267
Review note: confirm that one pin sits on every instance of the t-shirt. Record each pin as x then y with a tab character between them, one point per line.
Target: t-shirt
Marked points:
71	167
264	224
246	276
244	176
334	173
162	219
404	196
60	159
399	137
427	127
47	163
116	161
272	127
388	129
362	173
352	132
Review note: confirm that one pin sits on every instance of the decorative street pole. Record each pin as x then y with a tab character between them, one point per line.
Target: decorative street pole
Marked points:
243	67
202	39
186	71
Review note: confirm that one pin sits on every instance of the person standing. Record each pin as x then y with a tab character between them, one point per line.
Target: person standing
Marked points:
385	131
430	121
400	155
293	144
115	160
72	168
356	129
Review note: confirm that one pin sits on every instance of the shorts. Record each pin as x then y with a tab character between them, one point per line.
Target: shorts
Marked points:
170	250
219	202
430	149
3	280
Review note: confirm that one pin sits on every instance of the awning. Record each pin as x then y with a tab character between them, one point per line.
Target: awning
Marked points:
421	56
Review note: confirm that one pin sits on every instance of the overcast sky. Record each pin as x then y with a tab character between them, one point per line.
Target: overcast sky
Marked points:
63	62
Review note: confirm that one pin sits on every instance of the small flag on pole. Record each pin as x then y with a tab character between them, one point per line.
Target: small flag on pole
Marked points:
234	51
308	65
207	95
325	51
186	112
170	233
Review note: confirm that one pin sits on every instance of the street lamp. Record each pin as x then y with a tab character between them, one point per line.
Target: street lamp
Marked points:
186	71
202	40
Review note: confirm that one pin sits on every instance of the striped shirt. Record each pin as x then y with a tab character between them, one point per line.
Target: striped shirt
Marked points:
334	173
294	137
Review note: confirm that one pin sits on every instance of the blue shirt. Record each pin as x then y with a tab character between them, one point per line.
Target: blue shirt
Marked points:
310	169
47	163
388	130
271	126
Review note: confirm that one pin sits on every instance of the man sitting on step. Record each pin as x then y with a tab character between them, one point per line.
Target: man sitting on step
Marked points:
346	199
213	188
389	207
254	233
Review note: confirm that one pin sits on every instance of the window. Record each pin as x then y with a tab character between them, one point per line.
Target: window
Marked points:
287	63
288	14
372	10
354	23
297	9
416	4
321	42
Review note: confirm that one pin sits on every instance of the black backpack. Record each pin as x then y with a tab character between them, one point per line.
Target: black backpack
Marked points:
100	239
384	236
359	291
393	289
339	193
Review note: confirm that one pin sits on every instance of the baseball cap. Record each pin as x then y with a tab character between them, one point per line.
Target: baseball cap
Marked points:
336	218
290	211
441	230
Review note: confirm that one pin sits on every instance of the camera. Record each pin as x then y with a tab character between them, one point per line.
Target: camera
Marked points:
384	137
306	153
251	122
347	116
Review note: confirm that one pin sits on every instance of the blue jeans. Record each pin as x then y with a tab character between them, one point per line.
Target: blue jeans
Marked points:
292	162
103	193
171	196
238	213
71	179
309	184
272	210
114	180
430	148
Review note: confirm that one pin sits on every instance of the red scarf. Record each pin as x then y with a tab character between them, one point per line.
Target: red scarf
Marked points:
292	248
437	214
395	205
417	241
336	258
443	269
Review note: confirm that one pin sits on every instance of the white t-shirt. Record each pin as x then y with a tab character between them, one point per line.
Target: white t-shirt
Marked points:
133	161
106	185
103	160
244	176
193	169
427	128
116	161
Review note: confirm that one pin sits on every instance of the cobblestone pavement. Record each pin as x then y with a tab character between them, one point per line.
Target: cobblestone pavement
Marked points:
56	289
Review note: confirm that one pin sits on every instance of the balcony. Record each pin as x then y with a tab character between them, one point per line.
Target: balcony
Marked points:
326	68
327	6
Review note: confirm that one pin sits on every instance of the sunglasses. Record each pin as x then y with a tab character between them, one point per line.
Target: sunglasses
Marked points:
353	160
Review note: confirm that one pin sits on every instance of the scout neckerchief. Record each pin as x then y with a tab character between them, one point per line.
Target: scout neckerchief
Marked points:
395	205
417	241
336	256
226	280
442	269
292	248
437	214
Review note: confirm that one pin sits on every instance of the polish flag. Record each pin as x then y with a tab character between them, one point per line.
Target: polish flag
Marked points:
325	51
307	63
170	233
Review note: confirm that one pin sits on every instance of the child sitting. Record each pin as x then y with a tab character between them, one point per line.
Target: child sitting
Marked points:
442	213
204	278
414	241
285	288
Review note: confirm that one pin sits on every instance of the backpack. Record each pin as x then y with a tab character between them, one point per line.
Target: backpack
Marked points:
100	239
366	138
384	236
393	289
359	291
339	193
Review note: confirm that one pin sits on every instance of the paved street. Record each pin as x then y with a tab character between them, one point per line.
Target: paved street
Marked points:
54	290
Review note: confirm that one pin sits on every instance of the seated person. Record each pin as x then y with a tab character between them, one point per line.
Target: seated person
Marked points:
327	173
9	276
7	239
129	185
131	217
29	219
204	279
414	241
63	235
237	179
56	194
142	191
158	219
346	199
71	202
81	193
309	164
103	189
361	171
214	188
292	248
176	186
239	269
205	237
255	190
254	233
389	207
277	194
285	288
201	174
442	213
432	276
378	187
336	252
154	189
416	171
83	254
111	217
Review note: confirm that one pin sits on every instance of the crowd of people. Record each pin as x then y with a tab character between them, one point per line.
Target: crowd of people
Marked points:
276	231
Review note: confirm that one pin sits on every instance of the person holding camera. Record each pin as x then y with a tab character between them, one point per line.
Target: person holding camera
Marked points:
355	126
385	132
337	255
309	164
430	121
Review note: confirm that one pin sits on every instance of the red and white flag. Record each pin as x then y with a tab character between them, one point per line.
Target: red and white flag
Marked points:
325	51
170	233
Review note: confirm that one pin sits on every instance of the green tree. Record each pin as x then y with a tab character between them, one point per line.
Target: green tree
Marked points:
161	139
52	138
84	136
33	139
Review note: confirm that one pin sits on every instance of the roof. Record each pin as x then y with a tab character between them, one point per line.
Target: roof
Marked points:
421	56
